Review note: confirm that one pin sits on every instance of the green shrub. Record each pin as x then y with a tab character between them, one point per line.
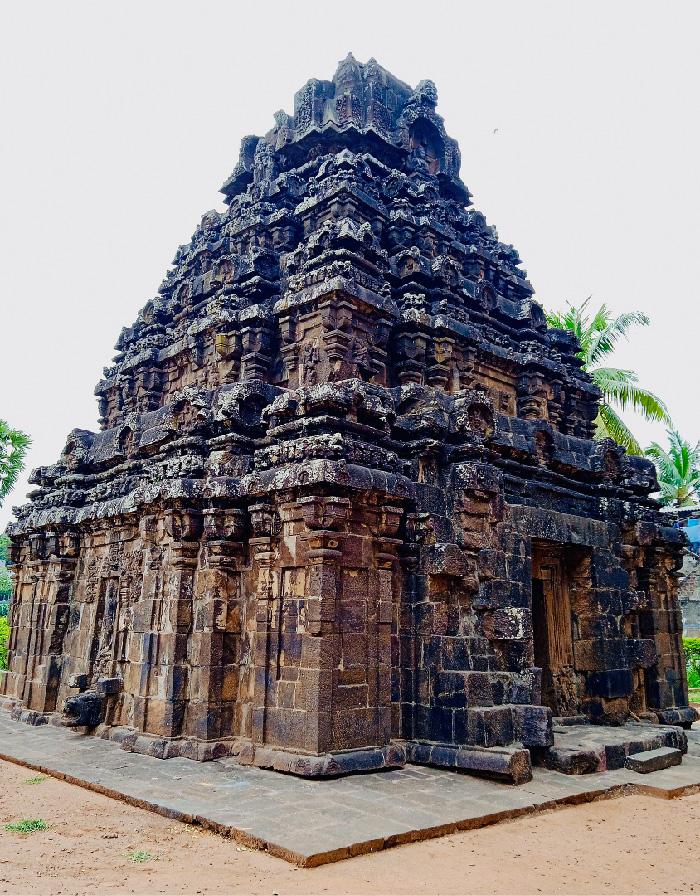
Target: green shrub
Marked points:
4	639
27	826
691	647
5	584
5	577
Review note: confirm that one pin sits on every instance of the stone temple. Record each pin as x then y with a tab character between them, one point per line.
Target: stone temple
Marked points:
345	509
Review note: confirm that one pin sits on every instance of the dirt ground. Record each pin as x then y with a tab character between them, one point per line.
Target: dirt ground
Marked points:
630	845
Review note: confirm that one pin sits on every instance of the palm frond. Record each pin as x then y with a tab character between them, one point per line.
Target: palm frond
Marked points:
13	448
598	333
621	388
575	320
610	426
609	330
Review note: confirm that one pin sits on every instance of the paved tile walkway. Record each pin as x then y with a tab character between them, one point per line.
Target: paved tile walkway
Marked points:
312	822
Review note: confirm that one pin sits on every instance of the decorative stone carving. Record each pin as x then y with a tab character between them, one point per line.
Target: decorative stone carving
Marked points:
345	487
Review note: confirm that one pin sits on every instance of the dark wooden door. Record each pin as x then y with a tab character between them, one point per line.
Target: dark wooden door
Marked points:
552	630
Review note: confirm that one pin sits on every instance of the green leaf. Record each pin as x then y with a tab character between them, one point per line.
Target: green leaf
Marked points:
13	449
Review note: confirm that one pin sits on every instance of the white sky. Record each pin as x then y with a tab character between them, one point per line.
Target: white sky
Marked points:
120	121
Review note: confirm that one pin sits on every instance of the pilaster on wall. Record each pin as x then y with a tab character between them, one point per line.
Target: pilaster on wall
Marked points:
265	529
323	551
158	674
654	621
216	640
382	619
667	684
324	625
39	619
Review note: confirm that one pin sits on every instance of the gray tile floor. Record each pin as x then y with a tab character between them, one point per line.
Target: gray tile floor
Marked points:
312	822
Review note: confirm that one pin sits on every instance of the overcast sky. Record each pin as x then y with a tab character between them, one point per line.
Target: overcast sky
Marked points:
578	125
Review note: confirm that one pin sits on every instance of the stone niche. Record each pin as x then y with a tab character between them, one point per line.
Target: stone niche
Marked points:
344	509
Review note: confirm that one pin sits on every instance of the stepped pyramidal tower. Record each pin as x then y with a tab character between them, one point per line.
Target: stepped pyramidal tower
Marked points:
345	509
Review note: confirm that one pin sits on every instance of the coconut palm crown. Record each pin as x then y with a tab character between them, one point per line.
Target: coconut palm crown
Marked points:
598	334
678	470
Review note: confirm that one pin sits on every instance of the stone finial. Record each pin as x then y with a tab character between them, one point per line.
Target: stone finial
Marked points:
427	93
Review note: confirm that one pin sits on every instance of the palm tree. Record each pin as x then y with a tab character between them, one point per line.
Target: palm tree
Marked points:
677	469
597	335
13	448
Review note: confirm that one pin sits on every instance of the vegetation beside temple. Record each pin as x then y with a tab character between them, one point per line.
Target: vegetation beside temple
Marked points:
14	445
5	594
691	646
598	334
677	469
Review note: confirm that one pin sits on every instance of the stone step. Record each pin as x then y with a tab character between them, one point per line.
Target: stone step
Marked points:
653	760
583	749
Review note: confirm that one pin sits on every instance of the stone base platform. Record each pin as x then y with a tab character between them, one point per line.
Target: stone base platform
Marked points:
509	764
312	822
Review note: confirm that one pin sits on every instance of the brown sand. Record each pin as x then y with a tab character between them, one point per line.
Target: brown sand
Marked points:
633	844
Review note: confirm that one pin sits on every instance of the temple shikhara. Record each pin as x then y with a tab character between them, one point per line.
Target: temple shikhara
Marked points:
344	510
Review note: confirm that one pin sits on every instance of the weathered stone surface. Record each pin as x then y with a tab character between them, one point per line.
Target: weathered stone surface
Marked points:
345	501
511	764
653	760
572	761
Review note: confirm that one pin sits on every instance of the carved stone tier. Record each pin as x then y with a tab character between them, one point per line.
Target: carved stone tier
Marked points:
344	506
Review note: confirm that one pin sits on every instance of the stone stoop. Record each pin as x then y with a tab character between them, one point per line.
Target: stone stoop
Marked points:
653	760
586	749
